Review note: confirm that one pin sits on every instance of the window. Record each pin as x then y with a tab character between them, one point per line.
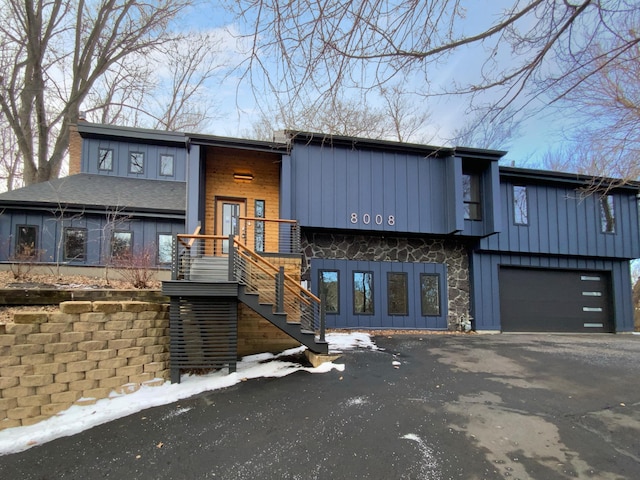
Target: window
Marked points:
520	205
27	242
121	243
329	283
259	229
397	293
471	196
136	162
430	294
165	248
105	159
166	165
607	214
363	293
75	243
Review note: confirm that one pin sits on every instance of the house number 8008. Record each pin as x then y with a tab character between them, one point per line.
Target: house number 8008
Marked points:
367	219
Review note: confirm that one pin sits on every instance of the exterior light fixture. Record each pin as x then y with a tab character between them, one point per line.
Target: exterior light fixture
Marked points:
243	177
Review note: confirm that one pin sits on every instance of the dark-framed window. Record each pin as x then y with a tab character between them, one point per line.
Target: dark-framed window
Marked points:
471	196
105	159
430	294
166	165
520	205
363	293
136	162
259	228
398	293
121	244
329	290
607	214
27	241
75	243
165	248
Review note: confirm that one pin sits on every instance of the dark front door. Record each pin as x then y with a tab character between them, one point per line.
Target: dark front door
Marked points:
533	300
227	220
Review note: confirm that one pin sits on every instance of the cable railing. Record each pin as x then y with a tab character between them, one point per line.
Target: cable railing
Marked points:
274	286
217	258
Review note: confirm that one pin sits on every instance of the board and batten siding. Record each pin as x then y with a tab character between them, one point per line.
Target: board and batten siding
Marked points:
561	222
121	150
485	294
373	190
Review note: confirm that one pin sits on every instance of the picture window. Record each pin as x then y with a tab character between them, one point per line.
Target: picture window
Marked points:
121	244
105	159
165	248
363	293
520	205
75	244
430	294
607	214
166	165
330	290
398	293
136	162
27	241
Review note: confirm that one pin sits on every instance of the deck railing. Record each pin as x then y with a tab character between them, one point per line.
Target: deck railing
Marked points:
270	235
215	258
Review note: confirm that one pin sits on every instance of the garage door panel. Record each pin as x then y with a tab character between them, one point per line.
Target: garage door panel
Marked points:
536	300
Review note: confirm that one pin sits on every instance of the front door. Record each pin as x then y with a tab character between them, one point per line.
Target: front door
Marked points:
228	212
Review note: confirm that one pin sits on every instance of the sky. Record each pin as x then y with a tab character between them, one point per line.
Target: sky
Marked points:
80	418
238	107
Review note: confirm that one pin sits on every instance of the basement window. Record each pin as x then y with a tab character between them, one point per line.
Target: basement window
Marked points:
363	293
329	290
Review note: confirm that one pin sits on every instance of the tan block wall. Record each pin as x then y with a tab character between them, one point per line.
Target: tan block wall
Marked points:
257	335
221	164
51	361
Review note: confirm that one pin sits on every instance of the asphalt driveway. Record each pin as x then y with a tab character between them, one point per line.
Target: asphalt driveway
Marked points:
423	407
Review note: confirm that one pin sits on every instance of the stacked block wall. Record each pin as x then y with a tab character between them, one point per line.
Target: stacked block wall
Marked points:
51	361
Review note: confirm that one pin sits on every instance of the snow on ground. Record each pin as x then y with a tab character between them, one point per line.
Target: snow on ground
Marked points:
79	418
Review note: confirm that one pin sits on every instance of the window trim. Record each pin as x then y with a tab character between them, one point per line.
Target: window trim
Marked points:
515	205
173	160
404	275
353	284
131	163
105	150
320	283
76	258
422	298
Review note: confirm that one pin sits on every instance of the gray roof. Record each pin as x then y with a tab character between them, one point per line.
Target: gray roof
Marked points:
101	191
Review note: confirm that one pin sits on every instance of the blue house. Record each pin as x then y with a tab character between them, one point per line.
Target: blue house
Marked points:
347	232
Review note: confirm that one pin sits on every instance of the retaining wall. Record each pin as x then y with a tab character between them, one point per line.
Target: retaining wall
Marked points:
51	361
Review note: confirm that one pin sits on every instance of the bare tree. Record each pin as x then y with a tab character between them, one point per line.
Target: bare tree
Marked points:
390	115
325	45
51	56
165	91
10	165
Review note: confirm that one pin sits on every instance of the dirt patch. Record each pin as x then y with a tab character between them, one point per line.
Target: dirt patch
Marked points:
67	282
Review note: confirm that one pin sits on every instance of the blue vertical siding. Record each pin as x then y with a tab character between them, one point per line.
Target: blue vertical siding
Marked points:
561	222
121	150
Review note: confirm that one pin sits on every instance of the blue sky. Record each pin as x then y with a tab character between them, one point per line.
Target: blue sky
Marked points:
536	135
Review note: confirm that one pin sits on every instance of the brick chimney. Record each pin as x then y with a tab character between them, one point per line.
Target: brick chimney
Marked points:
75	150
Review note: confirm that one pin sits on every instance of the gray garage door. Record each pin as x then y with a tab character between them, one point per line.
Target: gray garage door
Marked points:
534	300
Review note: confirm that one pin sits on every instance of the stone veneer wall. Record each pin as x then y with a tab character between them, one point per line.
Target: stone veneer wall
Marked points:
51	361
398	249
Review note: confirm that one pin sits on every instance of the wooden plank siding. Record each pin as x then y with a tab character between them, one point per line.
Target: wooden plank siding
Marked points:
485	295
562	222
221	164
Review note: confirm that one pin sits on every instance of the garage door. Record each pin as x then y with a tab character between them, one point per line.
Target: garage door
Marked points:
534	300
